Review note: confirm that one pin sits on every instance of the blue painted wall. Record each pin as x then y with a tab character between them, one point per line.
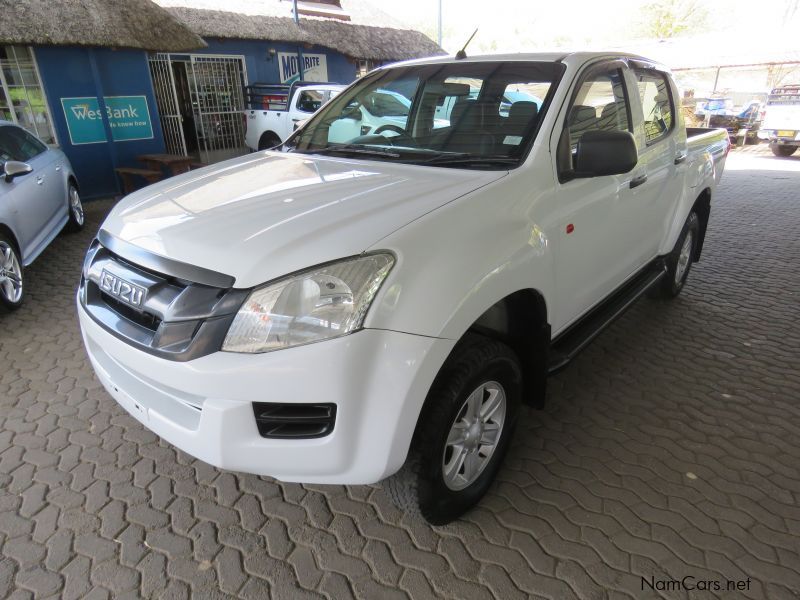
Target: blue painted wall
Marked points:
66	72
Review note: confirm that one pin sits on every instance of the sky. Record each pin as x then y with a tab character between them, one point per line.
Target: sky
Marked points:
520	25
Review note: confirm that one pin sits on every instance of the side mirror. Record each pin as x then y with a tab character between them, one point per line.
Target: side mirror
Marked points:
605	153
14	168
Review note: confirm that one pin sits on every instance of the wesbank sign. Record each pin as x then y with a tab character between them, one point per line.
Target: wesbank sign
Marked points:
315	67
128	117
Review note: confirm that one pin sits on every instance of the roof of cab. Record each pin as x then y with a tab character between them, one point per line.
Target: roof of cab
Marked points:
569	58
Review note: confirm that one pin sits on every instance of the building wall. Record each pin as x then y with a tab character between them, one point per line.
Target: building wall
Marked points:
66	72
263	68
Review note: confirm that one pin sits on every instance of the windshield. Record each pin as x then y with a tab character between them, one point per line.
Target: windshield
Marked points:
784	96
466	115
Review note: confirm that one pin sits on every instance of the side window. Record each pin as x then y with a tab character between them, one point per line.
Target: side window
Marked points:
599	104
18	144
657	104
310	101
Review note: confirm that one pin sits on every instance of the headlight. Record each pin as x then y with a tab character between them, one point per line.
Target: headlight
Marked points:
318	304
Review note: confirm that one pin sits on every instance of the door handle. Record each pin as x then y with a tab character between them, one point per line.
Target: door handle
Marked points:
680	158
39	180
58	168
637	181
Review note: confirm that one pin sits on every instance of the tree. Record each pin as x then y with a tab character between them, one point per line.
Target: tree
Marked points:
671	18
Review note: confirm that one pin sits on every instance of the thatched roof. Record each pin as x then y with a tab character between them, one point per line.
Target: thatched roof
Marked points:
370	34
112	23
358	41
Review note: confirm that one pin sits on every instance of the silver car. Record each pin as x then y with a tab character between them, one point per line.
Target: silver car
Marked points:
38	198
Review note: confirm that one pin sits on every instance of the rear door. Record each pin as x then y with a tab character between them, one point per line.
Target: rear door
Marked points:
662	156
306	102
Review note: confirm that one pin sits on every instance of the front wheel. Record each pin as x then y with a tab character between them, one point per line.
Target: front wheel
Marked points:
76	215
782	150
11	275
462	434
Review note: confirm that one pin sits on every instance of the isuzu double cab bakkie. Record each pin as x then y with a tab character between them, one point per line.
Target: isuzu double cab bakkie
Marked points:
355	307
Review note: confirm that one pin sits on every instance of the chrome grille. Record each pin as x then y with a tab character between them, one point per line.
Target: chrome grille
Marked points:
178	320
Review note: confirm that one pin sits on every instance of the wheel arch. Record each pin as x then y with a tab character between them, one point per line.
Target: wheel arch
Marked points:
520	321
268	134
6	230
71	179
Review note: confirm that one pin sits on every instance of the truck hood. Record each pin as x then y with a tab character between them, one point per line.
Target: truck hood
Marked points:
266	215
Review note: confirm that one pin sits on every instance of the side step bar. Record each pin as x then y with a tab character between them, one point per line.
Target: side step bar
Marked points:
569	343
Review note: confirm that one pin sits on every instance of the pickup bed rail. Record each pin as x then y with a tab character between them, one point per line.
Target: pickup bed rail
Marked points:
274	96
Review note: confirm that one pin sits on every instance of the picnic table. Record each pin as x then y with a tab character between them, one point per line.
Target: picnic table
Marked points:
175	163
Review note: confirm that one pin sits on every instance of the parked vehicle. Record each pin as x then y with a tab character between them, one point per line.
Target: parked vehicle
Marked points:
274	111
38	198
345	311
743	126
781	122
715	106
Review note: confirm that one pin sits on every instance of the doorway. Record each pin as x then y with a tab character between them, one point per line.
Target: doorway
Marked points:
200	101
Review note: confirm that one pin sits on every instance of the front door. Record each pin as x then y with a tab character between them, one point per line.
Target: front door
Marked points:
597	242
38	199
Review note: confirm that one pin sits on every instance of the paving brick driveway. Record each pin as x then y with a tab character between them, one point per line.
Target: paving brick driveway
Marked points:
671	448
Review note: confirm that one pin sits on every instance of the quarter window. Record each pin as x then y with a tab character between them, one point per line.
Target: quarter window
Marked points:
22	99
657	105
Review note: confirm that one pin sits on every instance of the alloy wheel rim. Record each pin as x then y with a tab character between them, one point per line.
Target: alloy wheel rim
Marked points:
474	435
76	205
10	274
684	258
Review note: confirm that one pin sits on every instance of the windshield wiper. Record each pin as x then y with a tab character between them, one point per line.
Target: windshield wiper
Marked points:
351	148
464	158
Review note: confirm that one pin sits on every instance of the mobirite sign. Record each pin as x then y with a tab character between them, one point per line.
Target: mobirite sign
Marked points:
128	117
315	67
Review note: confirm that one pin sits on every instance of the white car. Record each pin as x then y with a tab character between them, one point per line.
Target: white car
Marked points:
351	310
38	198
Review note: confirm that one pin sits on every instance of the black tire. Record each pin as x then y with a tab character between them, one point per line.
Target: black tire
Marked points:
672	284
268	140
77	218
783	151
7	245
419	487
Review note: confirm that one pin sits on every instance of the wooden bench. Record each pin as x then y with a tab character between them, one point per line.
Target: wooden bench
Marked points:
127	174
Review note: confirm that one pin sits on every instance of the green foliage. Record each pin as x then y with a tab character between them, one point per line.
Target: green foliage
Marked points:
671	18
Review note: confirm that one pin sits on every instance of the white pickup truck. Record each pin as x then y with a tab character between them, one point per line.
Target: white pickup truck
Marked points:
781	123
351	310
275	111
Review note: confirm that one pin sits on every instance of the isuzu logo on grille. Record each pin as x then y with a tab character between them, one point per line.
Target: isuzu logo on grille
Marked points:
122	290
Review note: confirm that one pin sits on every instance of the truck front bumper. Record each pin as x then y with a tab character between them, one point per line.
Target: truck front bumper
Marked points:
378	380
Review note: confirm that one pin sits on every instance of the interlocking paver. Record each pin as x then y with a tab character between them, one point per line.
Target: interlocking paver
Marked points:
669	448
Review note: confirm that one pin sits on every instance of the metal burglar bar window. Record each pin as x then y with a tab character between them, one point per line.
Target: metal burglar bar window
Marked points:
217	87
22	99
